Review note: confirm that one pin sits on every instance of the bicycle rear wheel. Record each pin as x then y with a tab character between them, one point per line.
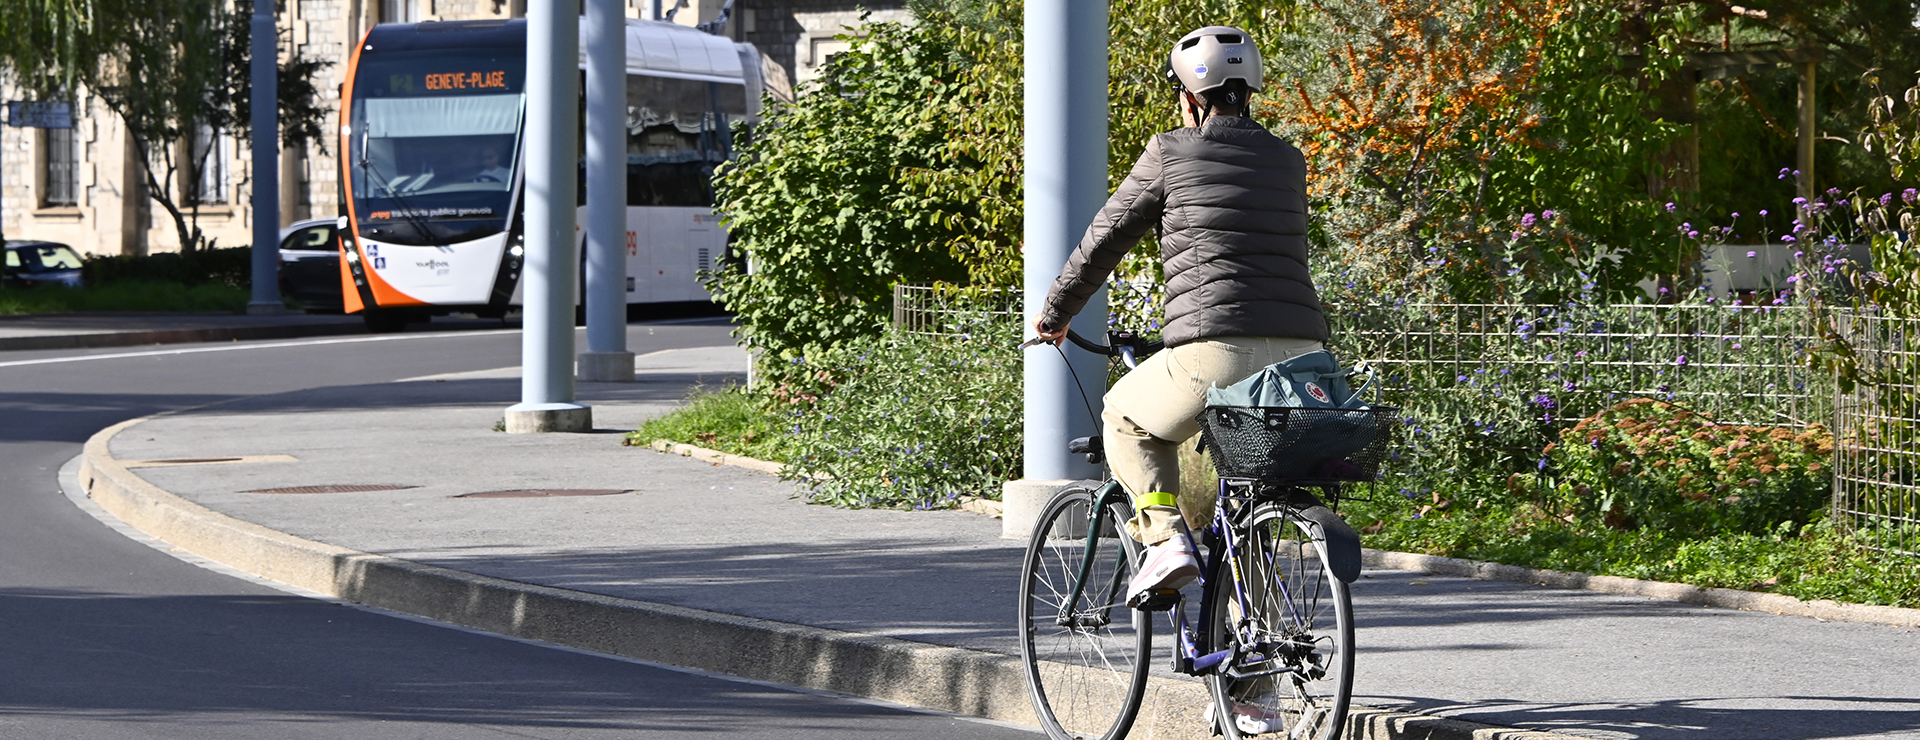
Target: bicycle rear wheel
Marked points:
1289	623
1085	652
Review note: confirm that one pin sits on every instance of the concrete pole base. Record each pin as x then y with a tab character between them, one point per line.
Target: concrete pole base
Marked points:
535	418
1021	502
266	309
605	367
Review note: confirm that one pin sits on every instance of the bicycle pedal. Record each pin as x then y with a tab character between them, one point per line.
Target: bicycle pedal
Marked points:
1154	601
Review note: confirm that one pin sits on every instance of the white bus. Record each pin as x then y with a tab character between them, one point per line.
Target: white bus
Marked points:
433	118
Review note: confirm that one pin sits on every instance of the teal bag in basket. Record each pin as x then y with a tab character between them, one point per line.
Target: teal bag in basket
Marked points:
1297	419
1314	380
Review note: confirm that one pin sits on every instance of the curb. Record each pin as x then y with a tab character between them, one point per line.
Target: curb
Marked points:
178	336
982	506
1725	598
950	679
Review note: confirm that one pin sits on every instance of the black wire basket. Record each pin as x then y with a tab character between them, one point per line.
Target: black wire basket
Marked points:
1295	444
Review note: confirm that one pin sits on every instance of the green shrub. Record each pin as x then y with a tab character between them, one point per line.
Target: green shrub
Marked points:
905	421
1649	463
231	267
131	295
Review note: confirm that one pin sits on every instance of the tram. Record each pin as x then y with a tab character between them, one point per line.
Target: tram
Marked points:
432	183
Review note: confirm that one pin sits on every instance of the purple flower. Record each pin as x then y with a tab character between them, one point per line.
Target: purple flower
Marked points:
1786	238
1763	211
1886	199
1461	379
1527	221
1682	361
1753	254
1910	195
1693	235
1799	201
1670	208
1793	278
1798	255
1548	214
1736	214
1783	173
1543	401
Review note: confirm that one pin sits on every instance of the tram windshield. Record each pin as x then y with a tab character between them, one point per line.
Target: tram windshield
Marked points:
434	144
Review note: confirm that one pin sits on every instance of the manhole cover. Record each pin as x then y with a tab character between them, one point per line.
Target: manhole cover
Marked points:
191	460
338	488
546	493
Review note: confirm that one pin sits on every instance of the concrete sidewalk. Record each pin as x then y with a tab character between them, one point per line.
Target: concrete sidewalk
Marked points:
84	330
723	569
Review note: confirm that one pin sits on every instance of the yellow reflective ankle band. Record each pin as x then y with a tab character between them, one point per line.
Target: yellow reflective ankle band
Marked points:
1156	498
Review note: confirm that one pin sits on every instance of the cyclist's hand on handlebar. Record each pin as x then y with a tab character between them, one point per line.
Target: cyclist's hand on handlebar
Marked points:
1046	334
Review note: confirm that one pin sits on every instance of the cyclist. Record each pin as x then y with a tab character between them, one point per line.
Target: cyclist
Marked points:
1230	200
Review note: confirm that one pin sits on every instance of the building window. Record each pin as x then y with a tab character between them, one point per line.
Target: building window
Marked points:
207	159
63	167
399	11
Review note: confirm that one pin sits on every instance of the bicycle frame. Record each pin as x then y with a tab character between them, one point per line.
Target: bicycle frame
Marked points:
1222	541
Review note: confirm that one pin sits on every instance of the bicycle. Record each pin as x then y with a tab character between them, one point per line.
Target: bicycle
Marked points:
1275	618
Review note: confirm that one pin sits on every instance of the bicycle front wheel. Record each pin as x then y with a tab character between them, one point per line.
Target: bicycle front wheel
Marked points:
1289	624
1085	651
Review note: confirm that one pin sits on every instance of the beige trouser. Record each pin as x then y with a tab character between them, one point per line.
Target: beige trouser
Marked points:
1152	410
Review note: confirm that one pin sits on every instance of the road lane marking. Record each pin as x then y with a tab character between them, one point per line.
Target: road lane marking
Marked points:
270	345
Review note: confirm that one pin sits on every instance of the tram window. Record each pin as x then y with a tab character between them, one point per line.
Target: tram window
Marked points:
677	130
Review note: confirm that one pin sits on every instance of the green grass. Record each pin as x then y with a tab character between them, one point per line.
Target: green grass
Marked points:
727	419
124	296
1814	561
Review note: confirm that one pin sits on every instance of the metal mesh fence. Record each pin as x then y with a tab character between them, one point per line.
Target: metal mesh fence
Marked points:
942	311
1740	364
1549	366
1876	431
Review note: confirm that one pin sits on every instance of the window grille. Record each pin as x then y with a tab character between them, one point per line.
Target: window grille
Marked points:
209	155
62	169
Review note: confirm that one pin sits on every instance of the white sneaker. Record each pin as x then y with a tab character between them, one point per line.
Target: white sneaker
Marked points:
1250	719
1165	567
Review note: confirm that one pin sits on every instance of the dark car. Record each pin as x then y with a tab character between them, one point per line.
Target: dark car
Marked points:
32	263
310	265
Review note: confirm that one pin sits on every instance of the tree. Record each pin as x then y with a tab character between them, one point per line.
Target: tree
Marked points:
166	68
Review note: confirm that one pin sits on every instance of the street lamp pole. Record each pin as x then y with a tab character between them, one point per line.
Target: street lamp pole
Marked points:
553	117
605	34
1066	182
266	161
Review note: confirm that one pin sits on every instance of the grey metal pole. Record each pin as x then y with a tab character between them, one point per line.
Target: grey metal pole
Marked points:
266	162
605	35
552	139
1066	182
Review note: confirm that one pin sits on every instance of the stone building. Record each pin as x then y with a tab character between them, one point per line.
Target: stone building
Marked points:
83	186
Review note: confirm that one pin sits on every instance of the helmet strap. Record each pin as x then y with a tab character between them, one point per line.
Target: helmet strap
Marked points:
1199	112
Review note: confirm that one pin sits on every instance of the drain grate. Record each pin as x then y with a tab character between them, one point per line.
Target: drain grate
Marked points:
337	488
546	493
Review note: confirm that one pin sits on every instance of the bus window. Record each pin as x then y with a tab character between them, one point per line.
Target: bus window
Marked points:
434	142
677	130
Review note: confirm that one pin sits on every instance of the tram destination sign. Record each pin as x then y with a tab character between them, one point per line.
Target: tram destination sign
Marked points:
36	114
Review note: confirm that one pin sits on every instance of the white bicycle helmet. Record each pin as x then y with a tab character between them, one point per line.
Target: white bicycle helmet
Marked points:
1208	59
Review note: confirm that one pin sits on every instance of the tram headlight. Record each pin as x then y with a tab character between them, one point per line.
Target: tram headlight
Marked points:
515	251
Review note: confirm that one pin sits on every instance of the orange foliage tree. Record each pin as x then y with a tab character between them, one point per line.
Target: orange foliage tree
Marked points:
1402	108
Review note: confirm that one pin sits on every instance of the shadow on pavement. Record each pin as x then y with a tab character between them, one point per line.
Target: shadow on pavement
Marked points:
146	658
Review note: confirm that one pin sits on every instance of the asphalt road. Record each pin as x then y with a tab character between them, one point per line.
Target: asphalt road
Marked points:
103	637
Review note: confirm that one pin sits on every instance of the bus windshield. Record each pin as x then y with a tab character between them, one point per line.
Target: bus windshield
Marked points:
433	144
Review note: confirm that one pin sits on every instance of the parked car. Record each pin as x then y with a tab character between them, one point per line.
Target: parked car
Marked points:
32	263
310	265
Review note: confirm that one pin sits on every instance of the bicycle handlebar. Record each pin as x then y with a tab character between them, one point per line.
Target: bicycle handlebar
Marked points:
1122	344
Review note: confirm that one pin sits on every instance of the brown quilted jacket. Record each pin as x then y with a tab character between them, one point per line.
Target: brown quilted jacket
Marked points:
1231	200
